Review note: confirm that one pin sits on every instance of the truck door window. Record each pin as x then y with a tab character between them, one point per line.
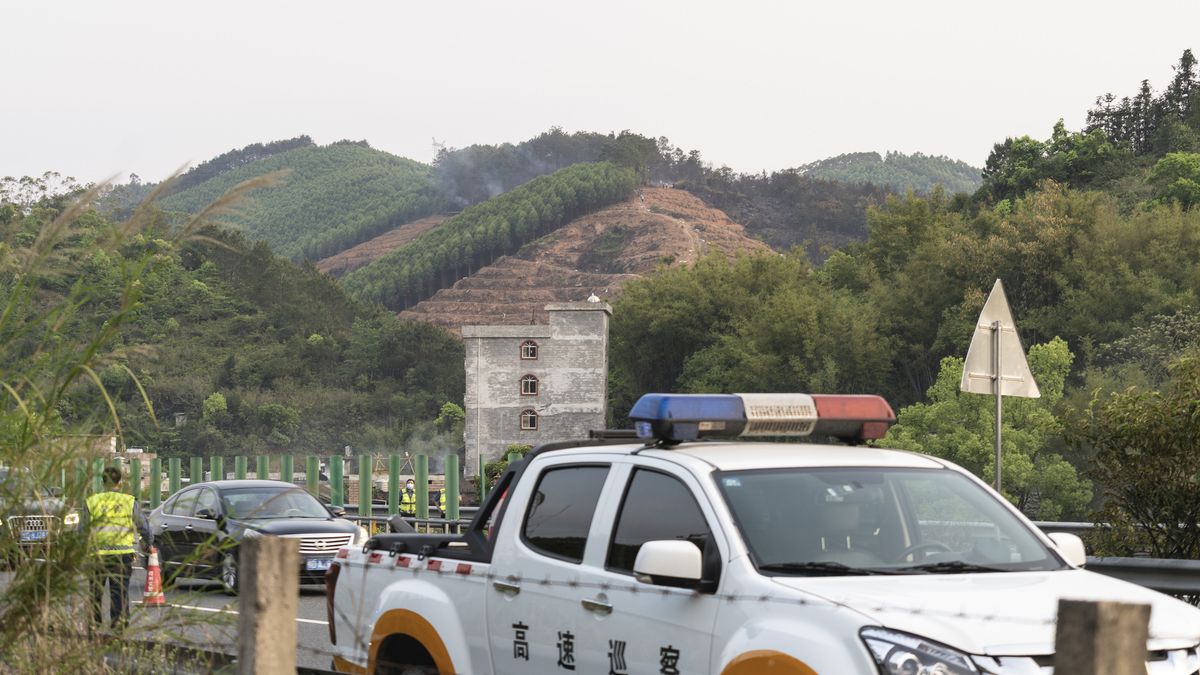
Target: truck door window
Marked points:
656	506
560	511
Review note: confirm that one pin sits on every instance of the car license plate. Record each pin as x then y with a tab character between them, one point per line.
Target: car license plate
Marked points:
318	564
33	535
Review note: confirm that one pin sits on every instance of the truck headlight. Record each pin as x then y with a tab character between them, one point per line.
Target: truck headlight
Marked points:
361	536
71	518
903	654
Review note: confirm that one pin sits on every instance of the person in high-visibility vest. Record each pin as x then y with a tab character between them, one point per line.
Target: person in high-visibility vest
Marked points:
408	499
112	520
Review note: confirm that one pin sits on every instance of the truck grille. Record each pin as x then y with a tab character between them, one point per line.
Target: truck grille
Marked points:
322	543
32	523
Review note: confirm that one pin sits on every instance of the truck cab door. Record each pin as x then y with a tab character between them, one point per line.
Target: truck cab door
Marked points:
534	606
649	628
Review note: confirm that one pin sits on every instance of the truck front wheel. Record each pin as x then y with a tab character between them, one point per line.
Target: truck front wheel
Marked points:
404	655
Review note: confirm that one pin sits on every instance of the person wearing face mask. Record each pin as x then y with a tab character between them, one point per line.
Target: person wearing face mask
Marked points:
408	499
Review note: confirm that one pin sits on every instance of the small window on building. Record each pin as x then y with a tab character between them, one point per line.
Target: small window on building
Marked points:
529	350
529	420
529	385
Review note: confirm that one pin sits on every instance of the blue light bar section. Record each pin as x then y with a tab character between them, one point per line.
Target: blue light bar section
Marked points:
685	417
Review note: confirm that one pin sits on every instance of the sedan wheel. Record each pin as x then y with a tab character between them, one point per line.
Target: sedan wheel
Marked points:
229	573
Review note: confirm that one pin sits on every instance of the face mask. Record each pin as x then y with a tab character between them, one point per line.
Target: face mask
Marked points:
409	486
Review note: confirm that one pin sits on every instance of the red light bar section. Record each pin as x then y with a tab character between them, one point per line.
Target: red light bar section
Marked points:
853	416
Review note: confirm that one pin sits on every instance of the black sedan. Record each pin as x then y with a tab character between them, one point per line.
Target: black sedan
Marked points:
197	530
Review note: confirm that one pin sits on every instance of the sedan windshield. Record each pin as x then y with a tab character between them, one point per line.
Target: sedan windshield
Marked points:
897	521
266	502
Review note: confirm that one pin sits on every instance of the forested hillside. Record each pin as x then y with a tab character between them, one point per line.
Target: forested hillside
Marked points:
330	198
1103	286
482	233
897	171
783	209
258	354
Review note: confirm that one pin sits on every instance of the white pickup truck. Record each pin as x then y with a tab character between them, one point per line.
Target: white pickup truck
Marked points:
676	554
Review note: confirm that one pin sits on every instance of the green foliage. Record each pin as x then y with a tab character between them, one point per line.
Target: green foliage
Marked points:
898	171
1144	444
1017	165
758	323
493	470
334	196
215	406
960	427
1176	178
484	232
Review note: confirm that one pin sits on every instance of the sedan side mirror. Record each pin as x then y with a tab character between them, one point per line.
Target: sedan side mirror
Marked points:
1071	548
669	562
337	511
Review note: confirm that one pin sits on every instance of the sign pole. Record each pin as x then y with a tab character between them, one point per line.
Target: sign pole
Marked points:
999	395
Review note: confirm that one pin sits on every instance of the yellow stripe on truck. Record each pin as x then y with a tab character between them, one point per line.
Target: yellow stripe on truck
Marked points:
766	662
404	622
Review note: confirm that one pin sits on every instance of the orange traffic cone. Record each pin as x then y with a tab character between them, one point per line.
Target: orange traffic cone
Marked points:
154	593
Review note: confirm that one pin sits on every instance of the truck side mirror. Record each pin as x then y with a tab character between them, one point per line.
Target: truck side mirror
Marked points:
668	562
1071	548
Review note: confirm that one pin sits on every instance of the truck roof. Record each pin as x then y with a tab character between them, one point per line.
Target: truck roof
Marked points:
740	456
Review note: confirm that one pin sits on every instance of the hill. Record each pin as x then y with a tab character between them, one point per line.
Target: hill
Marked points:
377	247
900	172
484	232
597	253
331	198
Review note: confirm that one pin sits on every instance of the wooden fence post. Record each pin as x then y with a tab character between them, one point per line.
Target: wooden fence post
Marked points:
1101	638
270	596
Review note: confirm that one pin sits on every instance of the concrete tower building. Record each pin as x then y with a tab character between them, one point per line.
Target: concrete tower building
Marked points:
538	383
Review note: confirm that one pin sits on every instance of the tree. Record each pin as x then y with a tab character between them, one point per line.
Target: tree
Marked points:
1176	177
1144	443
960	427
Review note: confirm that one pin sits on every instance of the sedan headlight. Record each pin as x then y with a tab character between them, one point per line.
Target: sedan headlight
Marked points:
361	536
903	654
71	518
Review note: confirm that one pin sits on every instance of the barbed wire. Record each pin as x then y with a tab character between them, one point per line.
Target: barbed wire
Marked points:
469	572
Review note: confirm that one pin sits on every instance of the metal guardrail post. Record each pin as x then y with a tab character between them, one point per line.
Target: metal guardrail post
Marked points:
393	484
239	467
216	467
196	470
262	467
97	471
174	474
421	469
451	488
483	482
337	482
287	469
312	475
135	479
155	483
365	484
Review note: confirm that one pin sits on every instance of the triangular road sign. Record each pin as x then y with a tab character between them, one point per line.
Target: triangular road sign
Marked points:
980	367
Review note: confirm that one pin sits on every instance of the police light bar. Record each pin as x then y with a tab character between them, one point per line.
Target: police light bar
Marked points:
674	418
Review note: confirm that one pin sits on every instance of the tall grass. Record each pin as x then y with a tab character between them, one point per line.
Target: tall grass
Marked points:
57	331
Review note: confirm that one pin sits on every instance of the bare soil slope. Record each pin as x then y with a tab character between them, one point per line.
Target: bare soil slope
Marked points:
357	256
594	254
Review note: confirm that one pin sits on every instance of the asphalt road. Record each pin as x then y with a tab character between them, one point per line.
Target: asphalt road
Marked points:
199	615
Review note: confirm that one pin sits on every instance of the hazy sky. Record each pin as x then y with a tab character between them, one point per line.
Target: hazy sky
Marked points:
98	88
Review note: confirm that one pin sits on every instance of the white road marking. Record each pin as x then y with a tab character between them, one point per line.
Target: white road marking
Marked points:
222	610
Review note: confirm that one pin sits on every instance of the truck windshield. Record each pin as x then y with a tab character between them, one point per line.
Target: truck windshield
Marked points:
917	521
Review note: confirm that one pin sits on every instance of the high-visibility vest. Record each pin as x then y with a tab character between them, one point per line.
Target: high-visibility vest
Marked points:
408	501
110	520
442	500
